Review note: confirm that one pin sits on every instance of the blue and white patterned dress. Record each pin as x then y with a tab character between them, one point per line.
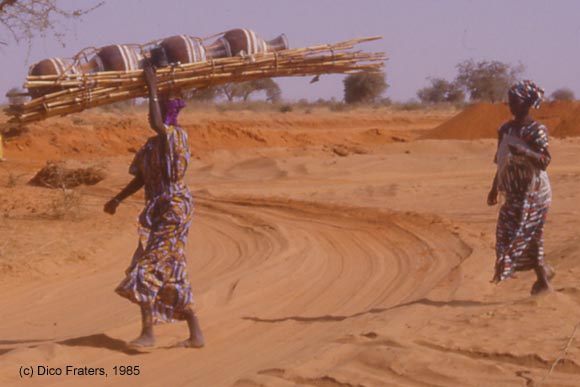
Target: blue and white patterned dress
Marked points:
158	275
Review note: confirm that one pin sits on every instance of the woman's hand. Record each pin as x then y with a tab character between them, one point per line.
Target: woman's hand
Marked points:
537	159
492	197
111	206
518	150
149	74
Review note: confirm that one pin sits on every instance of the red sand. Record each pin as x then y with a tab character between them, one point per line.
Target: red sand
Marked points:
482	121
97	134
308	269
570	125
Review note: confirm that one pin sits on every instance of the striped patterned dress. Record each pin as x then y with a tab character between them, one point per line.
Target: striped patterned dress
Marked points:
158	275
520	226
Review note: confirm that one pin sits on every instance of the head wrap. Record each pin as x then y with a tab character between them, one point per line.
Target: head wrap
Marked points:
528	92
171	109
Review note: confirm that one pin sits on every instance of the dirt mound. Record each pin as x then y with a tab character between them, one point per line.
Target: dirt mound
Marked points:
570	125
84	135
483	119
477	121
56	175
95	133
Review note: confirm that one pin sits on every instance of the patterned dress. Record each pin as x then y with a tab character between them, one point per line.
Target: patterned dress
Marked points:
520	226
157	275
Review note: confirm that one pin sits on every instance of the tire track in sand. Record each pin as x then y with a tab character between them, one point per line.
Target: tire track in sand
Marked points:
275	281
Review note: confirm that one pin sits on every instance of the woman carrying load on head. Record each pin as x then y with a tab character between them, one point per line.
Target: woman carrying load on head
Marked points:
522	158
157	278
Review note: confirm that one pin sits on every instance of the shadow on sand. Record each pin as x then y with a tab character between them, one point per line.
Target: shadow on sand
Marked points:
330	318
102	341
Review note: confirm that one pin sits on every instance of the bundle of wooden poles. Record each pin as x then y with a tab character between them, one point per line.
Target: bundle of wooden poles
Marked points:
83	91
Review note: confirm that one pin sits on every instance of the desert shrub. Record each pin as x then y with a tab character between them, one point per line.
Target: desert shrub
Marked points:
338	107
409	105
13	180
563	94
254	106
441	91
386	102
205	94
286	108
243	90
364	87
55	175
198	106
67	205
9	131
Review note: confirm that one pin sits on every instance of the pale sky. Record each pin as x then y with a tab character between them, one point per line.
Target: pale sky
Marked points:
423	38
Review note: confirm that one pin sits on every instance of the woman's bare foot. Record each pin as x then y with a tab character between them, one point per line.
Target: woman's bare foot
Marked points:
542	284
540	287
197	342
145	340
196	339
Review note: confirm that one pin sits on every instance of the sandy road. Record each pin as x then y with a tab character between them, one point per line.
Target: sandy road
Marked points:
273	280
310	267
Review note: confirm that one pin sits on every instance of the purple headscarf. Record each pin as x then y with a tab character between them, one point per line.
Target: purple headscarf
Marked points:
172	108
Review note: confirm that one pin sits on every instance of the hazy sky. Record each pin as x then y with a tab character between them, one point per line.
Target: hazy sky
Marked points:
421	37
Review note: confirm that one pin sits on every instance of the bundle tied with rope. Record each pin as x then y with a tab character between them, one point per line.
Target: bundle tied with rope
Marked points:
80	91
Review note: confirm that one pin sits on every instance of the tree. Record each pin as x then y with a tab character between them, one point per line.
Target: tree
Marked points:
205	94
364	87
243	90
27	19
563	94
273	91
441	91
487	80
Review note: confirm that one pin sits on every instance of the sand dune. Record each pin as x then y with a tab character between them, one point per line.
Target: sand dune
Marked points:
322	254
562	118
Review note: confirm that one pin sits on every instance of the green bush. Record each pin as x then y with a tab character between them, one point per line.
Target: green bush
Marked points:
364	87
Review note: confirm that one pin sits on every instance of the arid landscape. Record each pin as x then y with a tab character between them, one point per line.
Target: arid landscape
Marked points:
329	249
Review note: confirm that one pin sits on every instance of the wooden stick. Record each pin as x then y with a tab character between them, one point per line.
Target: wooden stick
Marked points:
88	90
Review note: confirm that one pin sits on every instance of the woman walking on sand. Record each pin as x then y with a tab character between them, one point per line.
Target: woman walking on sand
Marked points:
157	278
522	158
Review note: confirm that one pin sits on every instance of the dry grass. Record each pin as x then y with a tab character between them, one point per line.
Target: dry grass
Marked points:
66	206
13	180
55	175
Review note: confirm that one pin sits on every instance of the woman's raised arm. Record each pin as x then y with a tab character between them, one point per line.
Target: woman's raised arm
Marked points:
155	118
